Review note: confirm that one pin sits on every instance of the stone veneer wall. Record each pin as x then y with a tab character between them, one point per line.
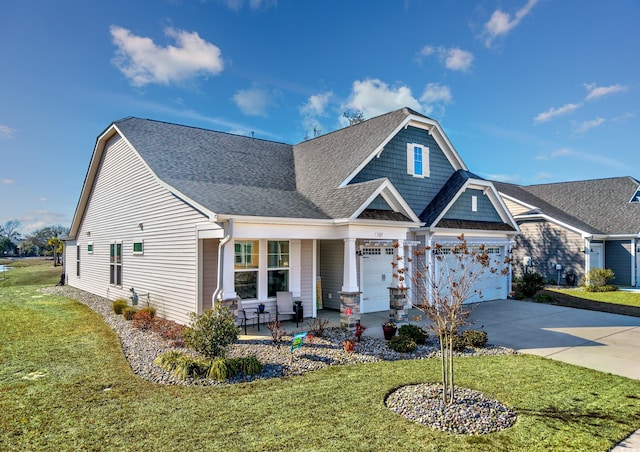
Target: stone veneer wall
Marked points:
349	309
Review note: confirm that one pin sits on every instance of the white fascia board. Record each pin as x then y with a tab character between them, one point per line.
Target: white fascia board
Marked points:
622	236
392	196
544	216
276	220
472	233
422	123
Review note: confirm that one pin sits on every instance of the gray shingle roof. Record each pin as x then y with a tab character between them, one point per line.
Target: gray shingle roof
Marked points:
599	206
228	174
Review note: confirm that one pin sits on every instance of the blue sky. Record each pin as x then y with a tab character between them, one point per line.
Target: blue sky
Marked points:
528	91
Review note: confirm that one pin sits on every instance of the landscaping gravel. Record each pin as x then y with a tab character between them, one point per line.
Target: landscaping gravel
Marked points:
474	414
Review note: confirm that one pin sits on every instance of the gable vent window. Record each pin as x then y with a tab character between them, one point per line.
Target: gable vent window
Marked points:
636	196
417	160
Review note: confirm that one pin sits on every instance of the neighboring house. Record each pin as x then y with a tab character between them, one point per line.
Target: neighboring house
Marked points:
186	216
579	225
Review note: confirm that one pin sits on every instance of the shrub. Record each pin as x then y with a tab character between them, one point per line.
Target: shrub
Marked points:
598	278
150	309
474	338
211	332
417	334
143	320
119	305
459	344
183	366
530	283
402	344
544	298
129	312
605	288
317	326
276	332
169	330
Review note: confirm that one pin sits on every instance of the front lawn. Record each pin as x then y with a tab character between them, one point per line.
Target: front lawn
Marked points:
29	271
65	385
617	297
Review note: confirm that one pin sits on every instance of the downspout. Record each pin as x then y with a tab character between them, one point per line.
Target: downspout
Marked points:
221	245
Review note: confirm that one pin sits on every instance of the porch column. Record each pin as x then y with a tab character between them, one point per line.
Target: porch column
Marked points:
349	275
228	266
401	263
398	300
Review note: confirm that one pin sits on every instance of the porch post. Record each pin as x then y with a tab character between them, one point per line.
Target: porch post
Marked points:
349	276
228	267
350	294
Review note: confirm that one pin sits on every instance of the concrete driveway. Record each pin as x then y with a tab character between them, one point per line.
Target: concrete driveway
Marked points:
597	340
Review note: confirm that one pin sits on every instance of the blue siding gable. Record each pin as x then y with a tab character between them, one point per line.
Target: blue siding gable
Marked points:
379	204
392	163
461	208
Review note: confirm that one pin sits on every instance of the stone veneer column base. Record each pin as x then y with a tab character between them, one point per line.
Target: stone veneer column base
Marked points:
349	309
398	304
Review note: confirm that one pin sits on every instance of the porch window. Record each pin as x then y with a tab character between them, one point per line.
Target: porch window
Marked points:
246	258
115	263
278	267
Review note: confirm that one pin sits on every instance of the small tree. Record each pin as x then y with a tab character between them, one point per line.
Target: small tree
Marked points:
442	293
354	116
211	332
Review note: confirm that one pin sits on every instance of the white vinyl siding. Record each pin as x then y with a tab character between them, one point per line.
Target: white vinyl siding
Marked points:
417	160
169	236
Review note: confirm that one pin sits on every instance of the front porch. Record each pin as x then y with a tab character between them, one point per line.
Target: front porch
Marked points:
372	321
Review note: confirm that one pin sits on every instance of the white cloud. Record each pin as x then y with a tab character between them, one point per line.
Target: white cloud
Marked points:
509	178
316	104
7	181
435	96
6	131
374	97
586	125
595	92
458	59
453	58
555	154
38	219
553	112
543	176
43	199
254	5
253	101
144	62
502	23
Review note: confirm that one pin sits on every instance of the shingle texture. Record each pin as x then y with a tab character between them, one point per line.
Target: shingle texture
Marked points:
599	206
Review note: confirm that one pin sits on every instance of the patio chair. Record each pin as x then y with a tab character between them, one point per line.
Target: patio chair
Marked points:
284	305
245	314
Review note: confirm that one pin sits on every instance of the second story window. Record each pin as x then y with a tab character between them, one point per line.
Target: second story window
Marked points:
417	160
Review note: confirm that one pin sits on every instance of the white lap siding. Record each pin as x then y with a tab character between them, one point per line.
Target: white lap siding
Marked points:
128	204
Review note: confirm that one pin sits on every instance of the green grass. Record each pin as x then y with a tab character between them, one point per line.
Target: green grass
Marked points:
29	271
65	385
617	297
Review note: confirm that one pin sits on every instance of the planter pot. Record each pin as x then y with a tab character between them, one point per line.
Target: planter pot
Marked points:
260	308
389	332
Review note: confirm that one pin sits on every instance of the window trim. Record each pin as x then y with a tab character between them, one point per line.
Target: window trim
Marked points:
90	248
474	203
137	253
78	253
424	169
284	267
115	277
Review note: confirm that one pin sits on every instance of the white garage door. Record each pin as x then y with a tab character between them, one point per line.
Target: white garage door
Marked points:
376	279
493	286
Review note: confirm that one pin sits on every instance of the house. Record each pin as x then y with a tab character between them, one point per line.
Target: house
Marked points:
186	216
579	225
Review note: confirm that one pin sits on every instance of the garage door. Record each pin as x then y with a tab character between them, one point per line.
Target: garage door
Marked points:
493	286
376	279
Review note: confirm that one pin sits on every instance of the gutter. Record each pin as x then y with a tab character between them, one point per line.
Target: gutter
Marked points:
221	245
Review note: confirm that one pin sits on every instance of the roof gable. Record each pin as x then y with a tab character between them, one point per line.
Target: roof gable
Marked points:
598	206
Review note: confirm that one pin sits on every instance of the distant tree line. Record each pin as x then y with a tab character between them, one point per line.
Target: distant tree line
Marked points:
46	241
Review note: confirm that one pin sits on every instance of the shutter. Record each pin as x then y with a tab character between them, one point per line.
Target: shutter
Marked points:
410	158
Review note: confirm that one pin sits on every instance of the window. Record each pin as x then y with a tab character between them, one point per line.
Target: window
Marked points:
417	160
138	247
78	260
115	263
278	267
89	248
246	258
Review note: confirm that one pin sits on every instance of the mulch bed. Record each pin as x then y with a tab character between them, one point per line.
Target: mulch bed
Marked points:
575	302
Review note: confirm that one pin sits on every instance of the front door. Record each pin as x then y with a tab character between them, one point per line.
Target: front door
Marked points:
595	256
376	279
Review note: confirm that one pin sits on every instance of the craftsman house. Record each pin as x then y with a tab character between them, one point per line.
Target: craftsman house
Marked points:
572	227
186	216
